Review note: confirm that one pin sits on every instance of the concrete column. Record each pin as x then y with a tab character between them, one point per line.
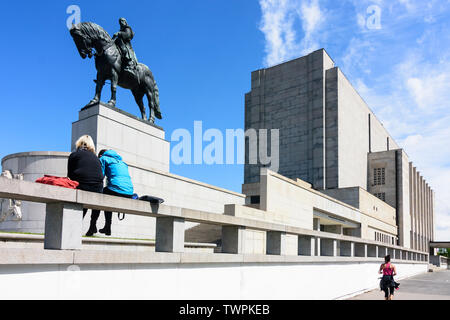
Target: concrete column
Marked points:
318	246
427	218
169	234
316	226
275	243
360	250
233	239
411	201
306	245
416	215
328	247
63	226
422	212
347	249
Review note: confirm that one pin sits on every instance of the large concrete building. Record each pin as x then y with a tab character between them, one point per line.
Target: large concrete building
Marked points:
331	139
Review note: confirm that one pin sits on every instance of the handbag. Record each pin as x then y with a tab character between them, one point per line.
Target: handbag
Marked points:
134	197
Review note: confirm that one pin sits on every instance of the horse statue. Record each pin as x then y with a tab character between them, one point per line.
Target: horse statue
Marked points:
109	64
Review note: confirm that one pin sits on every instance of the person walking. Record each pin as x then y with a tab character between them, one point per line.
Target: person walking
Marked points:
85	168
118	181
387	283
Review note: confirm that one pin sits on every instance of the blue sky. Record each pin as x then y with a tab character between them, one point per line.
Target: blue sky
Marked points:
395	53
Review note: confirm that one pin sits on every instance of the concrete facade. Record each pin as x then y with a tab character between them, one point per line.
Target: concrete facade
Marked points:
331	139
352	212
326	128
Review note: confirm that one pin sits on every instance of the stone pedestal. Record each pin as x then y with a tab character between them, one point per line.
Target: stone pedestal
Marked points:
140	143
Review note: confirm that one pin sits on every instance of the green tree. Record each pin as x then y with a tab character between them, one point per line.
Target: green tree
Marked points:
444	252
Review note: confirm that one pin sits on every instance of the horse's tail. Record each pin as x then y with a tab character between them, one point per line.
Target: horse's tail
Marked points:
151	85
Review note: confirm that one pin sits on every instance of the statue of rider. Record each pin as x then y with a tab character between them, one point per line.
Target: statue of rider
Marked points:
123	40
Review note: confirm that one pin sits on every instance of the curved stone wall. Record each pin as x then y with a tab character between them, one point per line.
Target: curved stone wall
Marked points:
33	165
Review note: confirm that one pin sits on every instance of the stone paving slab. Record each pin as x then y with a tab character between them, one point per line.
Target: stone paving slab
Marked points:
427	286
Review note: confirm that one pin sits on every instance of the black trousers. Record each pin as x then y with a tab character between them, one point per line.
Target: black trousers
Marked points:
108	214
92	188
388	291
387	285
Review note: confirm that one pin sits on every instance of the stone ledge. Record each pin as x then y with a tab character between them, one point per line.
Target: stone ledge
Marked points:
99	240
40	256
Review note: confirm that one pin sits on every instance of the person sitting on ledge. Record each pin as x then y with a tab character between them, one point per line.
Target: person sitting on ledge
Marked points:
118	181
85	168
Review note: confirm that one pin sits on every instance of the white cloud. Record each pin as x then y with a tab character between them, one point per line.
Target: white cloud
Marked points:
278	23
312	17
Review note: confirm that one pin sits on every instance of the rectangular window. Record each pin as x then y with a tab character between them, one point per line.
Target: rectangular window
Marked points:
381	196
255	199
379	176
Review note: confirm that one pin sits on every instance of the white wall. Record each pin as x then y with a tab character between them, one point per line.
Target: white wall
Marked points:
195	281
353	118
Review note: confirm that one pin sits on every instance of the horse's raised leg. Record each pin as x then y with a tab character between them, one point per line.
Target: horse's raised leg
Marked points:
138	97
114	81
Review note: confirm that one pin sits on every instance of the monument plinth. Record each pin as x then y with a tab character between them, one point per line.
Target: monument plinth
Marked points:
139	142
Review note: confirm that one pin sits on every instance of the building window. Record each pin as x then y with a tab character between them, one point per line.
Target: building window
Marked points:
379	176
381	196
255	199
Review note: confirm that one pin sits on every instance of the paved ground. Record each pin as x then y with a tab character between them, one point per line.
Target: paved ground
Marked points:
427	286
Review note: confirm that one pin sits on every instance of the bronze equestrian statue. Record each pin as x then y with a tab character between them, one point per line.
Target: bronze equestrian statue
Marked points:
115	60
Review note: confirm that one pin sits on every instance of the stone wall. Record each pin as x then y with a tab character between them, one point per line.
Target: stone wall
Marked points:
233	278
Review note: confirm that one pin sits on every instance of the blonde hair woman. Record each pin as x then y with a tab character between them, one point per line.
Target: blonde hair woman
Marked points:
84	166
85	142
